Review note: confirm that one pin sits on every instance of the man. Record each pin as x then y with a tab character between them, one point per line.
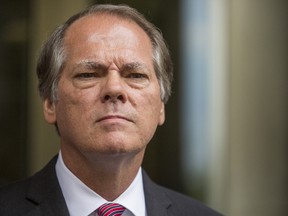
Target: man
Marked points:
104	77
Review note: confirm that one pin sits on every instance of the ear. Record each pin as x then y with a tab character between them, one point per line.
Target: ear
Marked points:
162	114
49	111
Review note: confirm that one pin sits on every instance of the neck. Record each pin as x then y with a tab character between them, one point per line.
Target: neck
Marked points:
107	175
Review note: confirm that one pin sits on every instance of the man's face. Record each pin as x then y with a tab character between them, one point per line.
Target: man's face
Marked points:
108	93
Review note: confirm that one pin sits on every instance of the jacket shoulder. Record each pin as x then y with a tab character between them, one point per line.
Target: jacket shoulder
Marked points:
187	205
13	198
175	203
22	197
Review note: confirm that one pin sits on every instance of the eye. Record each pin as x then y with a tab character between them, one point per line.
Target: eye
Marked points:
85	75
137	76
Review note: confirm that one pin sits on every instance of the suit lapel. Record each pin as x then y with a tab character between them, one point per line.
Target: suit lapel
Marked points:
157	202
45	192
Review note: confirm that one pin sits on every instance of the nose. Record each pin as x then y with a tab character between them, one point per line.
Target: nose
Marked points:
113	89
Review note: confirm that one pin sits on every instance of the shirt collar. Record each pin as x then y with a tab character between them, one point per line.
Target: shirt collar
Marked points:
82	201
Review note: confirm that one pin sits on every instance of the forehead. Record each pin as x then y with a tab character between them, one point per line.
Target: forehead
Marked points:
104	24
104	34
107	39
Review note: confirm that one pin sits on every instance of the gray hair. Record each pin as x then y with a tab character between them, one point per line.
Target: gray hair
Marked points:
52	57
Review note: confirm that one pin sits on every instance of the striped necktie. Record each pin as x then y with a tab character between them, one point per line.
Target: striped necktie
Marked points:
110	209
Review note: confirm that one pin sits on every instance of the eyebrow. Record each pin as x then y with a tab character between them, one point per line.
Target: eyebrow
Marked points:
94	65
134	66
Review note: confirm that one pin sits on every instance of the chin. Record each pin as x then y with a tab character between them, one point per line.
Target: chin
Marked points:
114	144
120	149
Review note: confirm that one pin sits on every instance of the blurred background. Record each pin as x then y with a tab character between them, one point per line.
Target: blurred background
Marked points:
225	137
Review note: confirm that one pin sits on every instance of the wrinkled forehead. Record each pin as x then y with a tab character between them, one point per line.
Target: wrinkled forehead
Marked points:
107	39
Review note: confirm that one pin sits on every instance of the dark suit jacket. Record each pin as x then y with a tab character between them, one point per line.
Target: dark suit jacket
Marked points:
41	195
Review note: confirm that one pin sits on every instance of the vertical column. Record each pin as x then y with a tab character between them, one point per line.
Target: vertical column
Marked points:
218	85
258	108
204	99
45	16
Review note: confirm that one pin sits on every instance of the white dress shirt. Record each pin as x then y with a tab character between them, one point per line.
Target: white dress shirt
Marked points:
82	201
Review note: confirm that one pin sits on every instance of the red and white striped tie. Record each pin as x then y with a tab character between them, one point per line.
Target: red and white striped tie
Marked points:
110	209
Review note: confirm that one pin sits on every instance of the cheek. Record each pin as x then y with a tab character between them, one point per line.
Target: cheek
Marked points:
149	120
74	106
78	97
151	109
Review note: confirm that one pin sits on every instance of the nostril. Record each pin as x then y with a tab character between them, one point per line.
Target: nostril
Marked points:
107	97
113	98
120	97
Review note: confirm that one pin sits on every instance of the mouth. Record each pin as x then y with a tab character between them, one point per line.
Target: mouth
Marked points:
113	117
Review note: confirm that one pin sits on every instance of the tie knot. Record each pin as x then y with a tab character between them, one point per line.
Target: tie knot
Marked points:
110	209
